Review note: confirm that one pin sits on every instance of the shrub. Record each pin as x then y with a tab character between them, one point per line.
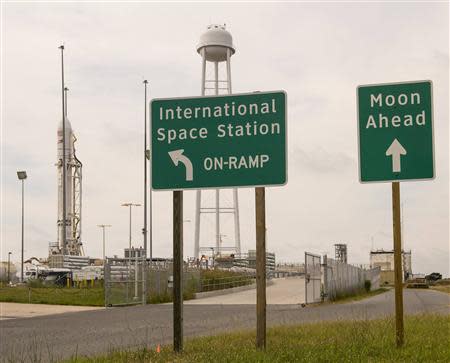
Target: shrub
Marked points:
367	285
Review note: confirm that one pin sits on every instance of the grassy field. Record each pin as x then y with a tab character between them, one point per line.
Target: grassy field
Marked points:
427	339
53	295
74	296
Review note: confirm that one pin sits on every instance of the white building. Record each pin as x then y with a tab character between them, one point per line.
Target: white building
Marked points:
385	260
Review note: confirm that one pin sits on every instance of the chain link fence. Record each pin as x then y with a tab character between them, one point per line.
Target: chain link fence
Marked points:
125	281
134	281
313	278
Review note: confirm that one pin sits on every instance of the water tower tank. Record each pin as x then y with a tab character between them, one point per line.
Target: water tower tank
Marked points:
216	40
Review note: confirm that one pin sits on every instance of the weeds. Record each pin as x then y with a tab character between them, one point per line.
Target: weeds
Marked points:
427	340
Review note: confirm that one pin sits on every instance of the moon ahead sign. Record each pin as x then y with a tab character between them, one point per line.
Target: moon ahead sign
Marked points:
395	124
219	141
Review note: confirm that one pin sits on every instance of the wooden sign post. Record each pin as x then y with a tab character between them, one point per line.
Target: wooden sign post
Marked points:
260	206
398	278
177	271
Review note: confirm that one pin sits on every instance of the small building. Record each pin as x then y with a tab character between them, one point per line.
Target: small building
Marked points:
385	260
270	260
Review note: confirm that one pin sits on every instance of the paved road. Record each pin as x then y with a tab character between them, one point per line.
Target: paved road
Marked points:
16	310
96	332
290	290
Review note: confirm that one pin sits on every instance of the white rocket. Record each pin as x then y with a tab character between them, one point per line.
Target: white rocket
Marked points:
73	194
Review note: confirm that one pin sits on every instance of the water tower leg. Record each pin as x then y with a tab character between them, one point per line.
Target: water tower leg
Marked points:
197	224
218	220
237	232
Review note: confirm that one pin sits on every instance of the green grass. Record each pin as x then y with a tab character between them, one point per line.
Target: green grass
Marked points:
76	296
54	295
427	339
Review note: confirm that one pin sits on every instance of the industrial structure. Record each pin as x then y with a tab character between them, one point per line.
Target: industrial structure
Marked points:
74	246
216	48
385	260
340	252
69	245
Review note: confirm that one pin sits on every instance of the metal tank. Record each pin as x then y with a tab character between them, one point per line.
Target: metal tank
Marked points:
216	44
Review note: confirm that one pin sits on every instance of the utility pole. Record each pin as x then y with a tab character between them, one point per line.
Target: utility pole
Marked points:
103	226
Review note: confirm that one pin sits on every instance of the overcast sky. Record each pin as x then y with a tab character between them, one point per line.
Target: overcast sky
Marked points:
317	52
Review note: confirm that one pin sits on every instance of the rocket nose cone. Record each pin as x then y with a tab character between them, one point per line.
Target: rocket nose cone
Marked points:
68	125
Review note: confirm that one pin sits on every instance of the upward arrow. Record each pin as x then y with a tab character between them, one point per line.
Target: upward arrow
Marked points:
395	150
177	156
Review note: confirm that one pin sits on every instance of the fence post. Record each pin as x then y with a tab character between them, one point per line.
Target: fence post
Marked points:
325	277
105	280
144	279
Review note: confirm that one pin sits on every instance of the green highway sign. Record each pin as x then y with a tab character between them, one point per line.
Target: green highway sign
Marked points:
395	124
219	141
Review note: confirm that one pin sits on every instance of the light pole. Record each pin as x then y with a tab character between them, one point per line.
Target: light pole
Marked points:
145	170
147	155
9	266
22	175
103	226
130	205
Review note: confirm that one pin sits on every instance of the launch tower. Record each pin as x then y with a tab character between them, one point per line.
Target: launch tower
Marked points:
73	180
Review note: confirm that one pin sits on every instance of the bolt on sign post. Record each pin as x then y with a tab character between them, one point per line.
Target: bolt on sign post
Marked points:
222	141
395	134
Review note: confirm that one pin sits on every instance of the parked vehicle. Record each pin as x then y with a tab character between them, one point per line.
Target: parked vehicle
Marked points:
433	276
57	276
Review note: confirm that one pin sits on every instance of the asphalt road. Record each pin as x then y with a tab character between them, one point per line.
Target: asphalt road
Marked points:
53	337
17	310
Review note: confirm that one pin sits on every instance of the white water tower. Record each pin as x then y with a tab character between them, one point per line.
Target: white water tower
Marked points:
216	48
